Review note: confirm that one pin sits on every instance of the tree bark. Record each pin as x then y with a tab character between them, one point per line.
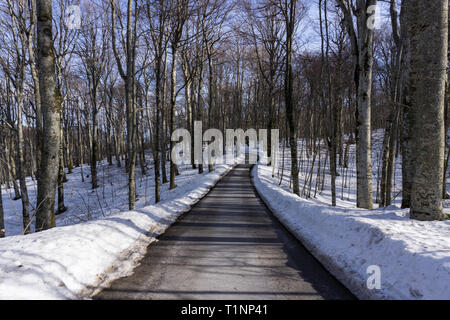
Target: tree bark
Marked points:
20	156
94	149
290	25
173	97
61	207
51	112
35	76
362	51
390	135
2	217
428	36
129	78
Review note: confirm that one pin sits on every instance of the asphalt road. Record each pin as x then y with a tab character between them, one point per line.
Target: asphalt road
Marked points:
229	246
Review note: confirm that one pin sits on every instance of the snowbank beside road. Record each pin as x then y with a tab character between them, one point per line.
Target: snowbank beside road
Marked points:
70	262
413	256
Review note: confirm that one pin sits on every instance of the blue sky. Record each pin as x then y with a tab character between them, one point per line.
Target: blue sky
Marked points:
308	32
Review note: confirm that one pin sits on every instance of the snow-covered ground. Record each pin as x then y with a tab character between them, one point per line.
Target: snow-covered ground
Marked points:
84	204
75	258
413	257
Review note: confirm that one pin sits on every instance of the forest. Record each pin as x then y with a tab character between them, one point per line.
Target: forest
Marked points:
113	80
93	94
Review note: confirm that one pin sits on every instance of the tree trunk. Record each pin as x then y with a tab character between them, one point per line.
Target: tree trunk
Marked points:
35	76
68	149
444	180
11	165
163	144
391	160
428	35
61	207
364	138
20	155
362	51
210	96
80	142
51	112
290	24
173	101
390	135
94	149
2	217
157	133
407	168
199	110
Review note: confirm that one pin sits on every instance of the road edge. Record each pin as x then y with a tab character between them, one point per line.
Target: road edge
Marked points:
328	263
125	264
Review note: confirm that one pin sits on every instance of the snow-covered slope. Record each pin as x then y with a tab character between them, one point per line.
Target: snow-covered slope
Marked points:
413	256
72	261
84	204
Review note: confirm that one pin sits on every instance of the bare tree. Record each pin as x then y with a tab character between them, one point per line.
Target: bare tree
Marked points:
92	51
267	32
427	30
390	136
157	15
188	55
289	10
2	214
129	77
31	35
361	39
51	112
177	21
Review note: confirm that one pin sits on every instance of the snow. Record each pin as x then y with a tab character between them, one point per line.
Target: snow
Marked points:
97	240
413	256
85	204
76	260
